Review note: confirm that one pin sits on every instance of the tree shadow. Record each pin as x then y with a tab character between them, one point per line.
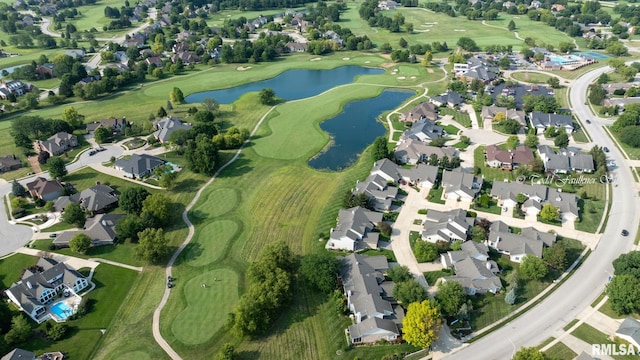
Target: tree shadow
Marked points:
191	252
238	168
188	185
248	355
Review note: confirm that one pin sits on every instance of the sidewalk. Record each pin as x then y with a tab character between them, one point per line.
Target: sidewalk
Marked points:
75	262
472	114
115	173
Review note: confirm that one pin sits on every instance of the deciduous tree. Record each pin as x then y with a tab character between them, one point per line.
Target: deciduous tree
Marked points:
450	297
532	267
421	324
528	353
425	251
176	96
624	294
380	148
80	243
267	96
152	245
399	274
549	212
158	206
131	199
409	291
57	168
73	214
320	270
19	332
102	135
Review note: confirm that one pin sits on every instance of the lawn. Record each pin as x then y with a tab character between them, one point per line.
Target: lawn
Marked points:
269	193
430	26
112	285
462	118
489	173
592	208
451	129
580	135
435	195
559	351
531	77
433	276
122	253
391	257
11	268
592	335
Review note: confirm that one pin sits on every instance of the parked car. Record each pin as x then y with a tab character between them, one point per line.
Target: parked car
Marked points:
625	233
588	121
100	148
605	149
53	235
92	152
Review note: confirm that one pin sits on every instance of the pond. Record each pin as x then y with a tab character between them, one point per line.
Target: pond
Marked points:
355	128
290	85
9	70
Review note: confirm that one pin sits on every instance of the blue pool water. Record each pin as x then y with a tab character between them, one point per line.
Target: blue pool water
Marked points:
563	60
61	310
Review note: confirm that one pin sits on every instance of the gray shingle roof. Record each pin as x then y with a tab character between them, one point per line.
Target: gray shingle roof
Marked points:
372	326
361	278
356	223
19	354
459	180
423	130
542	120
416	150
96	198
139	164
449	225
630	327
100	228
167	126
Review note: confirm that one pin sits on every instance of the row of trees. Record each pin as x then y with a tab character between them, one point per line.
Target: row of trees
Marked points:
270	289
624	288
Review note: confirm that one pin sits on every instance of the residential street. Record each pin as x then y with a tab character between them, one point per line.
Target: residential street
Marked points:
579	291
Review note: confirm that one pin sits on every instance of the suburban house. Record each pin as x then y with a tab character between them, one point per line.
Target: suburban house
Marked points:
508	159
138	166
41	284
422	130
354	230
629	331
414	151
425	110
381	195
19	354
541	121
517	246
474	270
166	126
296	47
13	87
46	190
565	160
450	99
537	195
420	175
369	298
116	125
387	5
446	226
96	199
476	69
9	162
57	144
154	60
45	71
100	228
460	185
489	113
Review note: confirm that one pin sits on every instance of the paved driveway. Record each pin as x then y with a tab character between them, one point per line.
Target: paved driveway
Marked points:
98	158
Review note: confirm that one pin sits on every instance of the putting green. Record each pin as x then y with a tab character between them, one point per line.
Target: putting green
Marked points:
196	324
219	202
210	241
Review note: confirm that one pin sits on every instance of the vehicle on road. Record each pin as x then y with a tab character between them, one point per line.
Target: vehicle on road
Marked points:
605	149
625	233
92	152
588	121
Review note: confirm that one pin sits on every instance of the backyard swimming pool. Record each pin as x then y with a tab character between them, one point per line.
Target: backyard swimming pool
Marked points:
61	310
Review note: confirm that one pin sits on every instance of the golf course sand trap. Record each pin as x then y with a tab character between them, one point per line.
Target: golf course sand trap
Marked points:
243	68
401	77
316	59
367	62
459	30
346	58
413	77
430	71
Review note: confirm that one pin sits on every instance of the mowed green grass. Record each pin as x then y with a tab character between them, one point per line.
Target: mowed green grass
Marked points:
531	77
193	326
209	240
560	351
430	27
11	267
92	16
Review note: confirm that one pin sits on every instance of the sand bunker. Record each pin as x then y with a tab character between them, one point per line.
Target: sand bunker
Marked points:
459	30
346	58
316	59
401	77
430	71
243	68
367	62
413	77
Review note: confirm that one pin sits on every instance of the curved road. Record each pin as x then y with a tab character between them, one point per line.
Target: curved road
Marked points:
579	291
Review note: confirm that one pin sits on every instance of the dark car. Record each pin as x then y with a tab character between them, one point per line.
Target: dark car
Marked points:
53	235
605	149
588	121
92	152
625	233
